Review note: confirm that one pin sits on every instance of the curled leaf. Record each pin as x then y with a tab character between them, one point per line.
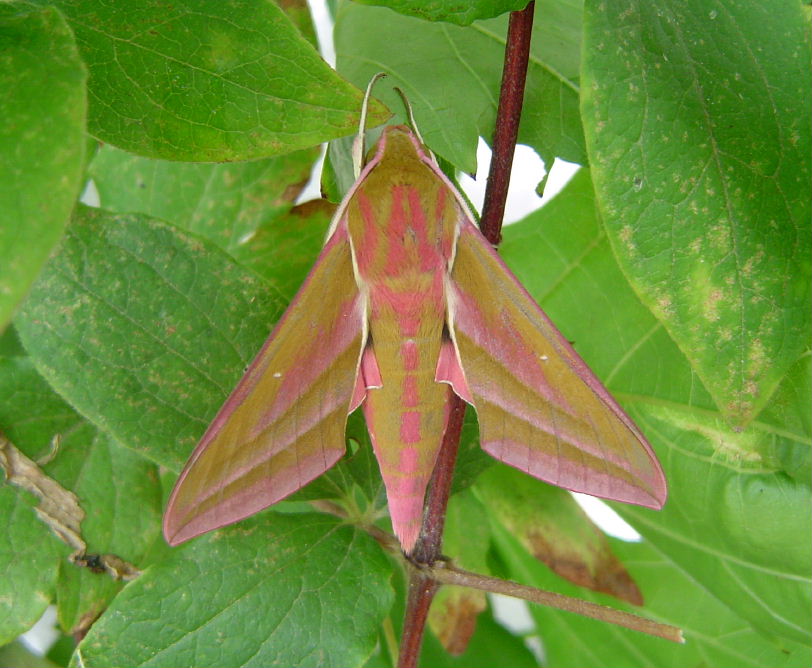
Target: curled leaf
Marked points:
59	509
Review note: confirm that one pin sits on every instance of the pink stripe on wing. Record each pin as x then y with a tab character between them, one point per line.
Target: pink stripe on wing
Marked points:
261	494
574	475
298	378
542	418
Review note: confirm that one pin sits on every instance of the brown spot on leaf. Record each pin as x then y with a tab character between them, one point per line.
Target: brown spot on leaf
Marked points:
453	617
605	573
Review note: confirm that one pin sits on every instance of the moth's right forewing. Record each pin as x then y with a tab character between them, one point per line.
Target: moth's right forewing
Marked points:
540	408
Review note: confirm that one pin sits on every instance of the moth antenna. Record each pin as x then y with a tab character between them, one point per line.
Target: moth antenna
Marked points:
409	114
358	142
413	122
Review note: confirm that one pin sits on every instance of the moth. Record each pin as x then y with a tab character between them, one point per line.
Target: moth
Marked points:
406	304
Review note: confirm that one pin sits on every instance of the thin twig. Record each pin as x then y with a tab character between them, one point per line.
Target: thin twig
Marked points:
445	573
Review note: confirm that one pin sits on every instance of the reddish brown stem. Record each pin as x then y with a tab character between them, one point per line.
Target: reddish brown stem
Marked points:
511	97
422	586
427	549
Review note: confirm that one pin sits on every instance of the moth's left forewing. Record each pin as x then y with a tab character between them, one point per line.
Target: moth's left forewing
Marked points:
284	423
540	408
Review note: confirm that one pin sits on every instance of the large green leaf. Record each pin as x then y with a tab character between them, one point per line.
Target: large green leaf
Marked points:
715	635
452	117
696	123
207	80
121	495
42	107
144	330
281	590
117	490
453	11
735	522
246	208
225	203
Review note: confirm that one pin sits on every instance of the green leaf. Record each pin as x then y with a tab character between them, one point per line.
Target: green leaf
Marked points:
225	203
121	495
42	142
283	250
144	330
246	208
552	527
701	156
288	590
467	535
10	345
299	13
453	11
742	534
787	422
31	415
118	491
207	80
734	521
715	635
29	558
450	121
